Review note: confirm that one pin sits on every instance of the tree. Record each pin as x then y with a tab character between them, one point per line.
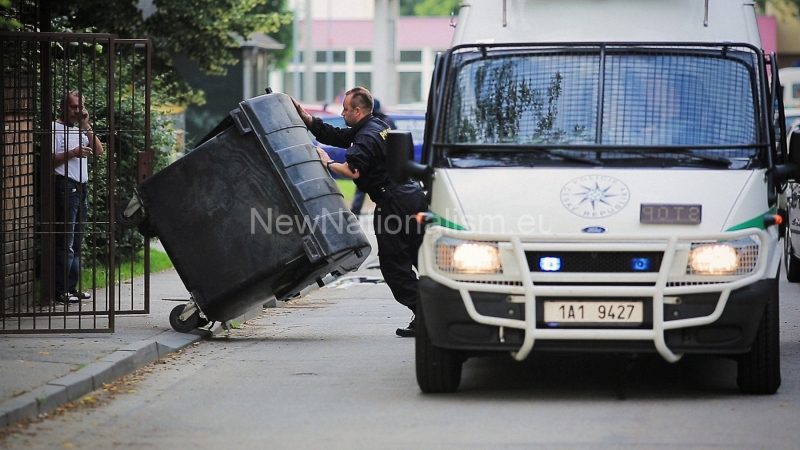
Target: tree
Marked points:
203	30
407	7
780	7
8	23
429	7
438	7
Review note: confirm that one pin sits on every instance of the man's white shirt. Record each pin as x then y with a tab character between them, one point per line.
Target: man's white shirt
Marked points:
65	138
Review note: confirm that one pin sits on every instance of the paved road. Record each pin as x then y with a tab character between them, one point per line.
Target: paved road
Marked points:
327	372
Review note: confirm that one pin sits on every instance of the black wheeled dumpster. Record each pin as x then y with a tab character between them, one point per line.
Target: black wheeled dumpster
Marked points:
249	214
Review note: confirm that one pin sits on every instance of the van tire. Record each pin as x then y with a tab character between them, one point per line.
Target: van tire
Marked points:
438	369
791	261
759	370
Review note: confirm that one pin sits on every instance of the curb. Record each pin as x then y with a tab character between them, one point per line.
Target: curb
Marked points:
111	367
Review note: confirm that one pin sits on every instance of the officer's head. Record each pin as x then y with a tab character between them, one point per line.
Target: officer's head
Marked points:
357	104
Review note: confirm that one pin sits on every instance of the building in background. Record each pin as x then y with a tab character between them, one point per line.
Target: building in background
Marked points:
247	79
343	44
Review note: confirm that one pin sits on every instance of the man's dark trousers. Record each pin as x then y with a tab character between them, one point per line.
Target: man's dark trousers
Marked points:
70	218
399	238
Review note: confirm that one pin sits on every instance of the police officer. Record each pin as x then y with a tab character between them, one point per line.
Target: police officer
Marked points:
358	198
398	234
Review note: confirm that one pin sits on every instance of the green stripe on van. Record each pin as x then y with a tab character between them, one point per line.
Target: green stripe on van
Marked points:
441	221
755	222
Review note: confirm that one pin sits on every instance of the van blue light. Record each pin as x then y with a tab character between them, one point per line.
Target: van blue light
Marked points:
550	263
640	264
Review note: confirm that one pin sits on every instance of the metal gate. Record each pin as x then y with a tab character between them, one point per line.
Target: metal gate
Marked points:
112	78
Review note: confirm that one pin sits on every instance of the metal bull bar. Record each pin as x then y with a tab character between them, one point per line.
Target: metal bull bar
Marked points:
665	282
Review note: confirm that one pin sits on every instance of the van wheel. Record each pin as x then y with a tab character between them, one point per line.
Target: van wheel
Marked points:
792	262
438	369
759	370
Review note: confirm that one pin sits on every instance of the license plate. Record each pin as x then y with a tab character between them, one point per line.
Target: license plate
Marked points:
593	312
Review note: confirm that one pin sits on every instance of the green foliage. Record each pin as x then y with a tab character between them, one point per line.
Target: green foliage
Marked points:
127	269
279	58
347	187
436	7
407	7
203	30
783	6
8	23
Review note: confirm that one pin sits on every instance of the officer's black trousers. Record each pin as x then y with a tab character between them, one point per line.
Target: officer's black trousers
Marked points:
399	238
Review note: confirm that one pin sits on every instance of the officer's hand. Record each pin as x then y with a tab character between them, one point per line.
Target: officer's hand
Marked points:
304	115
323	155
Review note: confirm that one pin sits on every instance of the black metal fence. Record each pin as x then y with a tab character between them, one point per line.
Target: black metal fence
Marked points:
110	78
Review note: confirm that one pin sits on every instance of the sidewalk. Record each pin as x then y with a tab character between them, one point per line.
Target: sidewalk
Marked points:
39	373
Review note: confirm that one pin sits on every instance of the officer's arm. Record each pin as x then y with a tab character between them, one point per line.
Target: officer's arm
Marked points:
341	169
344	170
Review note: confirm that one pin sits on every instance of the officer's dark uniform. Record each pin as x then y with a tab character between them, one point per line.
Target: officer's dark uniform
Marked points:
396	205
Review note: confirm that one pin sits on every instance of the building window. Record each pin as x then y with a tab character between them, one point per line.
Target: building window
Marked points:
321	83
289	87
410	87
363	57
337	56
364	79
410	56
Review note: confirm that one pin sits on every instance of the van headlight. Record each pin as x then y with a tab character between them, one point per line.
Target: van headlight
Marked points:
469	257
737	257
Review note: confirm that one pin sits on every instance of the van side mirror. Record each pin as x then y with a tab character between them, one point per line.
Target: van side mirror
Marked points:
790	171
400	159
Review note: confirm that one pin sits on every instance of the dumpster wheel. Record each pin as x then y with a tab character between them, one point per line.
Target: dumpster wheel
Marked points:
129	214
183	326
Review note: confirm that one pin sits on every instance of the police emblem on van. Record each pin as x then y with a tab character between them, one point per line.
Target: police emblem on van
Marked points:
594	196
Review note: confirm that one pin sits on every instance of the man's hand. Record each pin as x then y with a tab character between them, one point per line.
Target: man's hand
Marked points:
323	155
84	123
80	152
304	115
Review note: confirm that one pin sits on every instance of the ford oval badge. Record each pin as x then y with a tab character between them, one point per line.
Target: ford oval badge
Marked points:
594	230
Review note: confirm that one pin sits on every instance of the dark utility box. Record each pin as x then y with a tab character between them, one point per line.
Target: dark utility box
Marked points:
251	212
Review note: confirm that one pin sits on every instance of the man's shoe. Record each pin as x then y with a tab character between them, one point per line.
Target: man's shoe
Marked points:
409	331
81	295
67	298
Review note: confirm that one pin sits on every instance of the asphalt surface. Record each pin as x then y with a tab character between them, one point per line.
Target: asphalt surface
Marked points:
40	372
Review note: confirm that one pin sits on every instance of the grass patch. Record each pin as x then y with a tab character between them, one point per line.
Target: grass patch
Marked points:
348	189
126	270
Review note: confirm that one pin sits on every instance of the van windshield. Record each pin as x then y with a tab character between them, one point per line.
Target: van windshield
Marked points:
603	103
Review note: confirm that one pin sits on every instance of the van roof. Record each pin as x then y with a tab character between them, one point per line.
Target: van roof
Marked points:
499	21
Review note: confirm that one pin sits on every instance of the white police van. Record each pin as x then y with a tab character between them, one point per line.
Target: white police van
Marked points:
602	176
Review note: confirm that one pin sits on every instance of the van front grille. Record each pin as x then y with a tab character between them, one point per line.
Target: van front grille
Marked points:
594	262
